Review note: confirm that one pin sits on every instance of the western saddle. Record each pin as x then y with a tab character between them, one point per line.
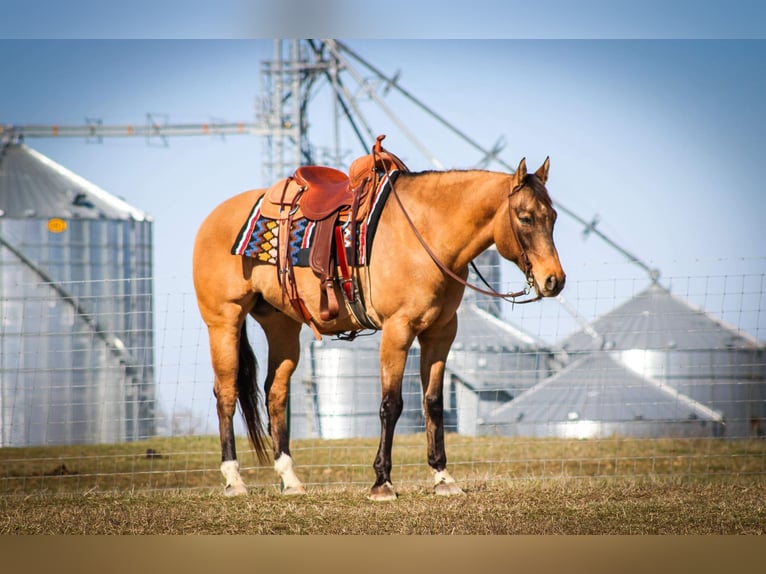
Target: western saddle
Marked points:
330	198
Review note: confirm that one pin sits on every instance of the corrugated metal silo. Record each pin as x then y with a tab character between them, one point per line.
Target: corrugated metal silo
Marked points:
660	336
76	331
336	393
490	363
597	397
348	391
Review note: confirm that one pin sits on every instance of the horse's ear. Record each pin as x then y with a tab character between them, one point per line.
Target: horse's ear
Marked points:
521	171
542	172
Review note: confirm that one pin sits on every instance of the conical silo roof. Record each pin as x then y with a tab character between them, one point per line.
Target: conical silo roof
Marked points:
655	319
490	354
481	330
34	186
597	390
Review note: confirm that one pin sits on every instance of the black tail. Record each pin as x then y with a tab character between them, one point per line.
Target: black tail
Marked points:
247	391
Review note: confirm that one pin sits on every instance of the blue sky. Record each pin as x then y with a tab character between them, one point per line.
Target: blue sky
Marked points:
664	140
661	139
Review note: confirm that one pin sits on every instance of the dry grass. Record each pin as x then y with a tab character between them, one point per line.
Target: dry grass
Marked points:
513	486
533	507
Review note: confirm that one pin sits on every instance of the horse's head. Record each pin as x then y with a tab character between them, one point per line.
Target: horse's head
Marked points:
524	232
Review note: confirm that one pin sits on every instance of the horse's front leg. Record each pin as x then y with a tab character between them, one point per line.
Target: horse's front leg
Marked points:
395	342
434	348
283	337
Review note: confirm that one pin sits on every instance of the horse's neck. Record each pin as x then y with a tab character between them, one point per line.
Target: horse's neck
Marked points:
454	211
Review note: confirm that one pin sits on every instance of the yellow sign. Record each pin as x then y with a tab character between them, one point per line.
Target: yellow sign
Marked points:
56	225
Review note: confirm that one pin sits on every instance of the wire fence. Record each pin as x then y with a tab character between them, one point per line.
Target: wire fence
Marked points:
622	378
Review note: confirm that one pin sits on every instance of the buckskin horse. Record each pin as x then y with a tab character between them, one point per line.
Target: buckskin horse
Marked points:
430	228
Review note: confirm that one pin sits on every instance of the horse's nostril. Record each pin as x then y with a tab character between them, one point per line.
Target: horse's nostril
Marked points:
550	283
555	284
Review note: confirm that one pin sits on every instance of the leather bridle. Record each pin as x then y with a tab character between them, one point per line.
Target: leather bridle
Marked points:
510	297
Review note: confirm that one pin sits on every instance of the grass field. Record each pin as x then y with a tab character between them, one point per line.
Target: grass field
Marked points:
513	486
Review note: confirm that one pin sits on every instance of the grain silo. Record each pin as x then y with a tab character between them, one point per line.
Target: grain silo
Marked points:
661	337
336	393
490	363
597	397
76	327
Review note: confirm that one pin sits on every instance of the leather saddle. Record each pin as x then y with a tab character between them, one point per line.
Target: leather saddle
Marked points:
316	192
329	197
313	191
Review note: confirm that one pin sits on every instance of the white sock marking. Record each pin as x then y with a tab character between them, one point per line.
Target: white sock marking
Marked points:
443	477
230	471
284	467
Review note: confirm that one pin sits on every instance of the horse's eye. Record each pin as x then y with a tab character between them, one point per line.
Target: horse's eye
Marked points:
525	219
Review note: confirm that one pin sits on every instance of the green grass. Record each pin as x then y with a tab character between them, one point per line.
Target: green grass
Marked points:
513	486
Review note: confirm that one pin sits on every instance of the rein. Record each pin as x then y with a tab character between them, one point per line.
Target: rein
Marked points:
509	297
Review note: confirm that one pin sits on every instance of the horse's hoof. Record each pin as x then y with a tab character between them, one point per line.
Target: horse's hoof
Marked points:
383	492
294	490
235	490
448	489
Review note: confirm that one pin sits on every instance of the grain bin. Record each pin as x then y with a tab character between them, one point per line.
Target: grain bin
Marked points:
76	326
659	336
336	391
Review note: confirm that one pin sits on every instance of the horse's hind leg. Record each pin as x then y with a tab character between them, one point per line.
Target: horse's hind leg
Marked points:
224	345
283	337
434	348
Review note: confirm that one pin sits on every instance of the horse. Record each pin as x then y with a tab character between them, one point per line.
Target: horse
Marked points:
430	231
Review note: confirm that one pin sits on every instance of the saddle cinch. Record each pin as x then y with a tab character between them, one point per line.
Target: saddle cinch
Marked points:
330	198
